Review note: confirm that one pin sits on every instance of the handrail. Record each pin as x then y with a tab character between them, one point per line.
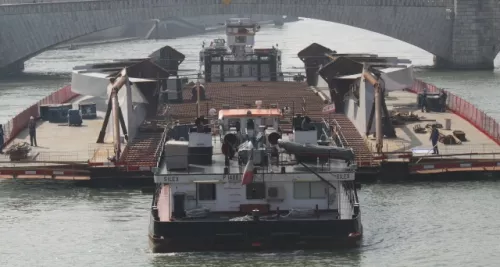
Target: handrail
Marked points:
155	195
161	146
339	133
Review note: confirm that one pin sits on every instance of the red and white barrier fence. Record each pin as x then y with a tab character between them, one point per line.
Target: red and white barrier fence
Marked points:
386	156
478	118
124	166
13	127
455	165
44	172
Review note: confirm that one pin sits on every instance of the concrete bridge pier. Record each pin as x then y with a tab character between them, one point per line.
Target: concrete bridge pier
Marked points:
475	41
14	68
446	64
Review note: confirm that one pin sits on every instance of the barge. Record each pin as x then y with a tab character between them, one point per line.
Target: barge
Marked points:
87	154
93	152
250	173
468	138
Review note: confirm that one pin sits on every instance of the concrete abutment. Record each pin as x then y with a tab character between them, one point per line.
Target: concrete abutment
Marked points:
475	35
12	69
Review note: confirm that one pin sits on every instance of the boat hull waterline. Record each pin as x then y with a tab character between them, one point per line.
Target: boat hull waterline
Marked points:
168	237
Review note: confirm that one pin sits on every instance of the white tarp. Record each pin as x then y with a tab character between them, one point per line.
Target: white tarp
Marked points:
89	84
98	85
134	114
137	96
398	78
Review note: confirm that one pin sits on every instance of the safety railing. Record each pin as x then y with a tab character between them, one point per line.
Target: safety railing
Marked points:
337	129
349	204
100	152
45	170
391	146
283	160
465	110
44	157
410	3
161	147
98	155
395	147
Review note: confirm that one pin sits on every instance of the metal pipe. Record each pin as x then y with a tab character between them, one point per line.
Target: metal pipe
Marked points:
119	82
116	123
198	99
378	109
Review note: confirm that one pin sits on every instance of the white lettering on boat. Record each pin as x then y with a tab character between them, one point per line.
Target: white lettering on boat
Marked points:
232	178
171	179
343	176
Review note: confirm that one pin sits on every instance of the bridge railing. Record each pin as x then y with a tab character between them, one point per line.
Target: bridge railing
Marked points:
76	5
337	2
463	108
413	3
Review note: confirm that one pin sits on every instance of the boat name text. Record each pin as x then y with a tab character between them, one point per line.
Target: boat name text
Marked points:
171	179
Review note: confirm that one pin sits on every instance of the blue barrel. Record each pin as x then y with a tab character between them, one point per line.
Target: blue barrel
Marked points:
65	108
88	110
44	112
74	117
58	113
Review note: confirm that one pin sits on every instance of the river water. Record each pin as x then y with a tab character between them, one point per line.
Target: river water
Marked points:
417	224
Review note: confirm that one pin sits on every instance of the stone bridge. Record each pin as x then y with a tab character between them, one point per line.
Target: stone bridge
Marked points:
460	33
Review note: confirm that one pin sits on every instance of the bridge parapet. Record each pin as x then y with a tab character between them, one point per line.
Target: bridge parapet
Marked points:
72	6
453	37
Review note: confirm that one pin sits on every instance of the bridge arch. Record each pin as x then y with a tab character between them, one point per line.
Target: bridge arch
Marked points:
29	29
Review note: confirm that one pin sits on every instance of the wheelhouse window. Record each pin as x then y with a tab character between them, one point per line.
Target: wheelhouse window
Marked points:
206	191
240	39
309	190
256	191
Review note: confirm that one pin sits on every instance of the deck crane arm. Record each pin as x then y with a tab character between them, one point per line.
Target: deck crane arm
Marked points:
114	108
378	108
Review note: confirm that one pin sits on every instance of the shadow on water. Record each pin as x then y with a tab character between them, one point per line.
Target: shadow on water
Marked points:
63	190
34	77
297	258
38	197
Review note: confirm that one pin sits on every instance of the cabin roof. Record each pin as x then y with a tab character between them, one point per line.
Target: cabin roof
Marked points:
254	112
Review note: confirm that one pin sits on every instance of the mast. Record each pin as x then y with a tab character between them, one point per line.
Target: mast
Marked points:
197	99
240	35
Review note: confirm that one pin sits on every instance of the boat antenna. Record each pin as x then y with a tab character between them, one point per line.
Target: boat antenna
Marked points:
198	98
319	176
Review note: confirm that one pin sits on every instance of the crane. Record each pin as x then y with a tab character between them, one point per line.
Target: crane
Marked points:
114	108
378	108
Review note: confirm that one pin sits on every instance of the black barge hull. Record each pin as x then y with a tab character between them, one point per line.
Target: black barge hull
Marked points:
185	236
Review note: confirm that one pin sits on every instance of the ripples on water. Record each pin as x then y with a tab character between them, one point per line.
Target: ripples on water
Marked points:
419	224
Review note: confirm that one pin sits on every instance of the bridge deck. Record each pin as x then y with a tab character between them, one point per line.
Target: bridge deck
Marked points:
62	143
407	139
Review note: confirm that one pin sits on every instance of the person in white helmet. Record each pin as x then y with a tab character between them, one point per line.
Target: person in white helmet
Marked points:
32	131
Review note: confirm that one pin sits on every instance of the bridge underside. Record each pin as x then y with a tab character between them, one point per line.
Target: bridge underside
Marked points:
29	29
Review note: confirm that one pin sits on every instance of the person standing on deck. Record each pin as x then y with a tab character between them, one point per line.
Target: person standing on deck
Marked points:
434	138
424	100
32	131
442	99
2	140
